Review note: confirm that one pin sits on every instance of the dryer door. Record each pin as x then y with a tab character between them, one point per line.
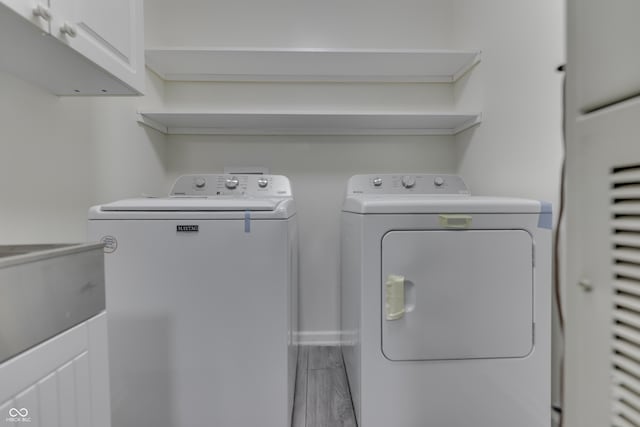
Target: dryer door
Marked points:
457	294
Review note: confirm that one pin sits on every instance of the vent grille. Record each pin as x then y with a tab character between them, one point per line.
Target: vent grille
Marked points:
625	209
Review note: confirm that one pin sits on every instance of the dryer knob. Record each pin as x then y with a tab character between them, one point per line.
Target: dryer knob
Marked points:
408	181
200	182
232	183
377	181
438	181
262	182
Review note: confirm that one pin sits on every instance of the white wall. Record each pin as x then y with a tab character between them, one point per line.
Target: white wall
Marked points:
299	23
60	155
516	151
45	178
80	151
518	148
318	166
128	159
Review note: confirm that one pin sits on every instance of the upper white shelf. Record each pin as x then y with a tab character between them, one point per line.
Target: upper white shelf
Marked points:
247	123
310	65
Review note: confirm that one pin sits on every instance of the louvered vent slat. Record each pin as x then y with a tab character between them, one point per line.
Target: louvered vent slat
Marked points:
627	396
622	379
626	224
629	207
627	317
625	285
626	239
623	177
627	302
627	192
627	271
621	422
627	350
627	412
631	255
630	334
624	364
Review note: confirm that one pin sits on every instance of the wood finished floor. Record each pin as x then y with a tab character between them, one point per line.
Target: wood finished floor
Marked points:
322	397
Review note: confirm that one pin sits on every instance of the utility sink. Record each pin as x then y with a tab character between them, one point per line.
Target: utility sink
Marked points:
13	250
45	290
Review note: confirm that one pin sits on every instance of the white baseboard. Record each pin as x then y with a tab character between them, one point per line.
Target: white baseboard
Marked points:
329	338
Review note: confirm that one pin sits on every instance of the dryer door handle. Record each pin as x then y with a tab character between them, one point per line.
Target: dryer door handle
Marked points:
394	297
454	221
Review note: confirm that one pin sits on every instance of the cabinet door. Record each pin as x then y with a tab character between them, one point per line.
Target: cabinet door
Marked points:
99	371
109	33
34	11
603	285
62	382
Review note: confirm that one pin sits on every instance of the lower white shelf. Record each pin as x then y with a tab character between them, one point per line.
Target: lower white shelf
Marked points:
228	123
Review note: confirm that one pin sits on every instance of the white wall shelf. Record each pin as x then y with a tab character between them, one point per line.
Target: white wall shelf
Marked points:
248	123
310	65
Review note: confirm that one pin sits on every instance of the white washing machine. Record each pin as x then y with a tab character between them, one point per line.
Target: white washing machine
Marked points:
446	304
202	292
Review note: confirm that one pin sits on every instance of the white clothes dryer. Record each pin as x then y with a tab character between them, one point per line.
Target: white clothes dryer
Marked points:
446	304
202	291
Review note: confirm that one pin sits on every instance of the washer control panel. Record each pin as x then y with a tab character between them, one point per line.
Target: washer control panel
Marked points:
214	185
417	183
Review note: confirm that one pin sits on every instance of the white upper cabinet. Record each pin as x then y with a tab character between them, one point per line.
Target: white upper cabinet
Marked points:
109	34
36	11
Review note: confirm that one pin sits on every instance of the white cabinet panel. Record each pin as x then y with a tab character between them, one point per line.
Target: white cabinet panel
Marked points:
604	45
99	371
82	389
29	367
4	412
95	48
109	33
109	23
63	381
48	397
67	395
27	404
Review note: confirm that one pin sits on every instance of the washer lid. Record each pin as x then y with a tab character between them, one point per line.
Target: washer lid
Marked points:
180	204
196	208
420	203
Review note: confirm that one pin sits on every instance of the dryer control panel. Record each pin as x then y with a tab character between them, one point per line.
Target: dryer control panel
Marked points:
406	184
215	185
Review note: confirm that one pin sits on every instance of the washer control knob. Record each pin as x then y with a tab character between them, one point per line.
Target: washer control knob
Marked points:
263	182
438	181
232	183
408	181
200	182
377	181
